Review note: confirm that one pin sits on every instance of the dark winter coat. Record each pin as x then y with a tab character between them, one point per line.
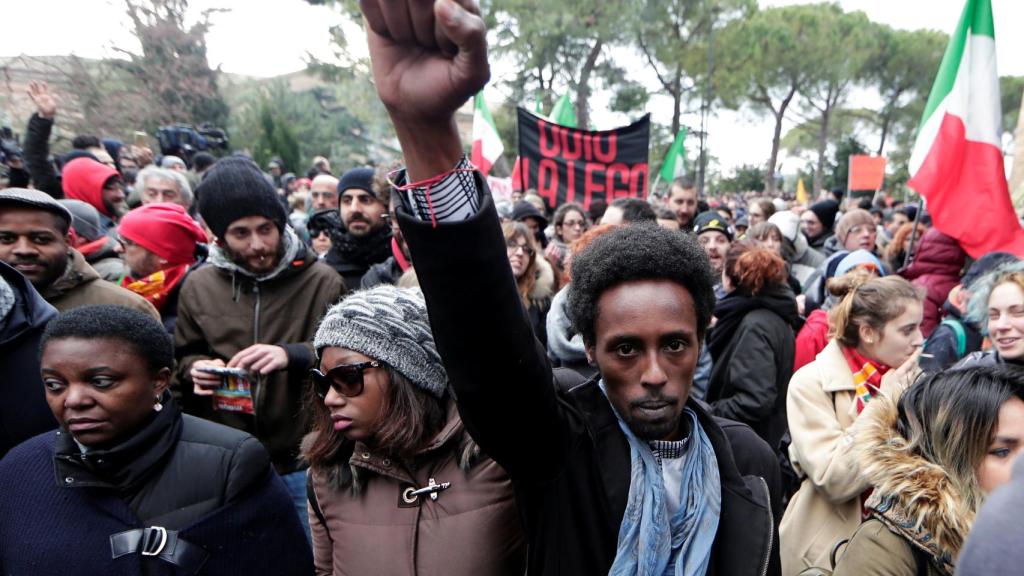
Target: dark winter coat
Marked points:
223	310
568	458
23	411
352	257
37	156
754	360
211	484
377	531
386	272
942	344
938	262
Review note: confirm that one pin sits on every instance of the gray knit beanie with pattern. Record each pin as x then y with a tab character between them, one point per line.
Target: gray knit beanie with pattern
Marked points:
388	324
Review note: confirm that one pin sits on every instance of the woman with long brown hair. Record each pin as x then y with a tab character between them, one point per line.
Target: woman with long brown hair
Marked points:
876	337
534	276
396	482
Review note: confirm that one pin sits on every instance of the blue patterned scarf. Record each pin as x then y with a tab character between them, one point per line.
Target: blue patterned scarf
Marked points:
651	543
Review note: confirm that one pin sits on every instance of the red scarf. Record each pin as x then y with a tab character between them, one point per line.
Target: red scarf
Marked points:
157	285
867	376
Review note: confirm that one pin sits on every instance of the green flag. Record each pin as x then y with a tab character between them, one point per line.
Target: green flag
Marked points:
563	112
675	160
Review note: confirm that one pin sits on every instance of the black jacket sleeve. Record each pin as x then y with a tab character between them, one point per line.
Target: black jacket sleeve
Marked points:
37	152
497	369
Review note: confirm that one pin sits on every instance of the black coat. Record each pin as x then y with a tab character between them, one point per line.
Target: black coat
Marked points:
211	483
568	459
23	411
37	156
752	369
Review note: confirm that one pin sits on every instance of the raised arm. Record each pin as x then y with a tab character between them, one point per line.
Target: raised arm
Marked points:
37	140
428	59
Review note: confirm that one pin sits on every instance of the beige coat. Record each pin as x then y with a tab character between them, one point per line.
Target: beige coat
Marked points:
81	285
821	412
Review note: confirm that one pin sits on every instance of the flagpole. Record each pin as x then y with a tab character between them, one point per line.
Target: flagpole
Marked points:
519	149
913	233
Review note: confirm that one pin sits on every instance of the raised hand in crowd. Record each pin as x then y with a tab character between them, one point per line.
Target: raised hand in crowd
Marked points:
45	101
428	59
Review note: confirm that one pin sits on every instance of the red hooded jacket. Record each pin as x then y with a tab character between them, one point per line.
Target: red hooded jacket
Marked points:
83	179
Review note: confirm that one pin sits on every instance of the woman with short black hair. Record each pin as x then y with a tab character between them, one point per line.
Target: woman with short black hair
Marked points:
130	485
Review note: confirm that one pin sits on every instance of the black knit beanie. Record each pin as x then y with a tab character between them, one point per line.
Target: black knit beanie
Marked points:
233	189
359	178
826	212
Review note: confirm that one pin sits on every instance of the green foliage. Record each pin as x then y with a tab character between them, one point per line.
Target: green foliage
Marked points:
838	168
1011	88
172	69
269	120
745	178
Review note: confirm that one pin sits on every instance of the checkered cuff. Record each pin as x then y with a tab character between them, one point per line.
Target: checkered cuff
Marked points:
665	450
453	199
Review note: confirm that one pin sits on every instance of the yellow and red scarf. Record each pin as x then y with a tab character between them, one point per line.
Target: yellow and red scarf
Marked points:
157	285
867	376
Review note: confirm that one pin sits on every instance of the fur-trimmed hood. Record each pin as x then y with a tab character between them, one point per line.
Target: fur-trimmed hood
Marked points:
544	289
912	496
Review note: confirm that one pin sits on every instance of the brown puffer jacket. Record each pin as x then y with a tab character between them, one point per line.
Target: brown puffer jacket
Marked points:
81	285
472	528
222	310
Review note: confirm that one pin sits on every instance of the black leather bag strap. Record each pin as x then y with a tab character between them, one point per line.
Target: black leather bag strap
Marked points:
161	543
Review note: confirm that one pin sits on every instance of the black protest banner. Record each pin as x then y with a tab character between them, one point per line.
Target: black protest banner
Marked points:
569	165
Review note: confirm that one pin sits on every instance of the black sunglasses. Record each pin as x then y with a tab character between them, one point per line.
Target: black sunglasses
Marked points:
346	379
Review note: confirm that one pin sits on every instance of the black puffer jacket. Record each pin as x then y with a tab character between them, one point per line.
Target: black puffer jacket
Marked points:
23	412
753	346
568	458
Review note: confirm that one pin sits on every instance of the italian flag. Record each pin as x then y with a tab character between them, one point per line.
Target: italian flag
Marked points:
957	161
487	146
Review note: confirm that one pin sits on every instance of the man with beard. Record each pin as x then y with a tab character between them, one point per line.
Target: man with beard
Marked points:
98	185
367	237
624	474
159	243
253	307
682	200
714	235
35	240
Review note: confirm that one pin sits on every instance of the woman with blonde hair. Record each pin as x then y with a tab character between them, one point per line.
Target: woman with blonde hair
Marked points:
876	338
997	305
932	458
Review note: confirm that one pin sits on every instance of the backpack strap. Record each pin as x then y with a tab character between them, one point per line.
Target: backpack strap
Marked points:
961	335
311	496
921	561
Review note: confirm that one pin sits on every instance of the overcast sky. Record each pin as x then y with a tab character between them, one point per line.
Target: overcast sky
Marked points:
272	37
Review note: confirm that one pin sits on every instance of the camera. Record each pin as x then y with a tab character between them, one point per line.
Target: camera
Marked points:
183	140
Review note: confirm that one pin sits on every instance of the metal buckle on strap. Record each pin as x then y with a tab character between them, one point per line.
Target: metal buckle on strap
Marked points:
153	541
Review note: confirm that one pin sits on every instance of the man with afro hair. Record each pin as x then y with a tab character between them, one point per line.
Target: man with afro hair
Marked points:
625	473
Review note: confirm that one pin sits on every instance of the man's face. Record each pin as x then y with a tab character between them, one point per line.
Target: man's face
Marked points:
361	212
324	195
141	262
160	190
646	347
254	243
114	199
715	245
683	201
32	244
396	231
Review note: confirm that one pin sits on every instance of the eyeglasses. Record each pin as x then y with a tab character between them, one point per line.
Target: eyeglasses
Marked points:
513	248
345	379
574	223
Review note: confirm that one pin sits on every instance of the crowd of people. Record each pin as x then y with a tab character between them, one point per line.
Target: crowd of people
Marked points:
222	369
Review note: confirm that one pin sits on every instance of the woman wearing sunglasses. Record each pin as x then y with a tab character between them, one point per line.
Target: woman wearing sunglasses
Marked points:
397	486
